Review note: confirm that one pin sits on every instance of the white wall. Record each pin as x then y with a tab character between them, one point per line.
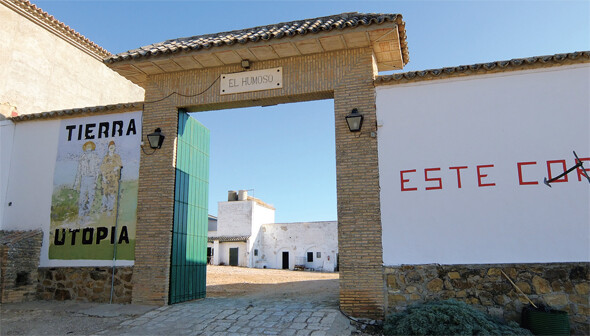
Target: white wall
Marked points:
500	120
42	72
234	218
6	137
297	239
260	215
30	181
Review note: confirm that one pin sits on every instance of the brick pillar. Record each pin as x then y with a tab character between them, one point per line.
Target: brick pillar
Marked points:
155	204
362	291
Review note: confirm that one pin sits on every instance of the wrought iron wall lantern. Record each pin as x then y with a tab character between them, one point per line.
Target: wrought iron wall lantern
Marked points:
354	120
156	139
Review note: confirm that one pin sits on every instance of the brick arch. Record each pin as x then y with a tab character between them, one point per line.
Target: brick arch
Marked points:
347	77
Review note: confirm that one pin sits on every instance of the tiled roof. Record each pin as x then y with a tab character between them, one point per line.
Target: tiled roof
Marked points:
228	238
479	68
47	21
78	111
264	33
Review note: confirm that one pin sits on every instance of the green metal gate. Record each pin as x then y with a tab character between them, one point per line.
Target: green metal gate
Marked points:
189	236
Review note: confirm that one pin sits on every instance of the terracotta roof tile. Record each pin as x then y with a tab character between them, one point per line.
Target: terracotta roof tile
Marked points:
228	238
479	68
78	111
264	33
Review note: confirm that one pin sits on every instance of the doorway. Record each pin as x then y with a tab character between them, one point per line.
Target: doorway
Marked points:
292	169
233	256
285	260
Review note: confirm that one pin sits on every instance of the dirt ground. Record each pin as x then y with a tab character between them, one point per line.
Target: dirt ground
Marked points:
229	281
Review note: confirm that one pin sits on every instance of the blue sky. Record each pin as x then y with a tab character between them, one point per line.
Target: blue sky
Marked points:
285	153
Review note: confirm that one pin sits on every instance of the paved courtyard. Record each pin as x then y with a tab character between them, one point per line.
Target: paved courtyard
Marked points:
303	306
225	316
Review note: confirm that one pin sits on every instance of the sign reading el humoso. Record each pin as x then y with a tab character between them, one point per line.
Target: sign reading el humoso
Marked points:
251	81
95	188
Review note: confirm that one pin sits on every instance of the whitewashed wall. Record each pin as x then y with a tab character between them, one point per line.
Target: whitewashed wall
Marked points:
30	175
234	218
29	185
491	124
297	239
6	137
260	215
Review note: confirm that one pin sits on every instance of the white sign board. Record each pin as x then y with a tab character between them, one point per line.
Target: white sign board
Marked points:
249	81
462	163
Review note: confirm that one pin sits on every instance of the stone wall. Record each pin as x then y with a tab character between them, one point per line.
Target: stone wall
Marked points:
85	284
562	286
19	259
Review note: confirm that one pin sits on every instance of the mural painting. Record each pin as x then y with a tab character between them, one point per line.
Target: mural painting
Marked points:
94	201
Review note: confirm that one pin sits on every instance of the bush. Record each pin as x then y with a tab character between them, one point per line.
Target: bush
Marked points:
448	317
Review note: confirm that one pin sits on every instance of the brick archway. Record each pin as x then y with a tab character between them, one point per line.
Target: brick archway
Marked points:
345	74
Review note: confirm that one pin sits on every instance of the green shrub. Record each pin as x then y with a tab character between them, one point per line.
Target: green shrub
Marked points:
448	317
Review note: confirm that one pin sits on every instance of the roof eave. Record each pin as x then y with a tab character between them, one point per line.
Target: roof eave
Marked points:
516	64
388	40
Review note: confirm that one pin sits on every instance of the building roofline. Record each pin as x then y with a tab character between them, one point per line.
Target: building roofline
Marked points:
228	238
43	19
76	112
260	202
265	33
485	68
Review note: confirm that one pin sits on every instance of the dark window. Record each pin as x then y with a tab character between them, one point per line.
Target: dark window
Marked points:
22	279
318	255
309	256
255	252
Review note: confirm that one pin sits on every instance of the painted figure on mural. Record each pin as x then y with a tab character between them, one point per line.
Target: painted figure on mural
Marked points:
110	170
86	179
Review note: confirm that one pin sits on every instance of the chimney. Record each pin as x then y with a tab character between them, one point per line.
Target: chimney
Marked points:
243	195
232	195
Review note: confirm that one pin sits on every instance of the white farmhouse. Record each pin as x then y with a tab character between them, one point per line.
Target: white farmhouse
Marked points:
246	235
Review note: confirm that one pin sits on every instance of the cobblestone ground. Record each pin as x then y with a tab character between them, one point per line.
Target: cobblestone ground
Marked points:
240	302
226	316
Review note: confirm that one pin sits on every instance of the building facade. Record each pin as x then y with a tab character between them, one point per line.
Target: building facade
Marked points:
422	214
247	235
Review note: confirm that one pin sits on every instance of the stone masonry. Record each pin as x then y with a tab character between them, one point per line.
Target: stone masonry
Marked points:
347	76
562	286
19	259
85	284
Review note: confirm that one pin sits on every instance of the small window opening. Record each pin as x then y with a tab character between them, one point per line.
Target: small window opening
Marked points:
22	279
318	255
255	252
